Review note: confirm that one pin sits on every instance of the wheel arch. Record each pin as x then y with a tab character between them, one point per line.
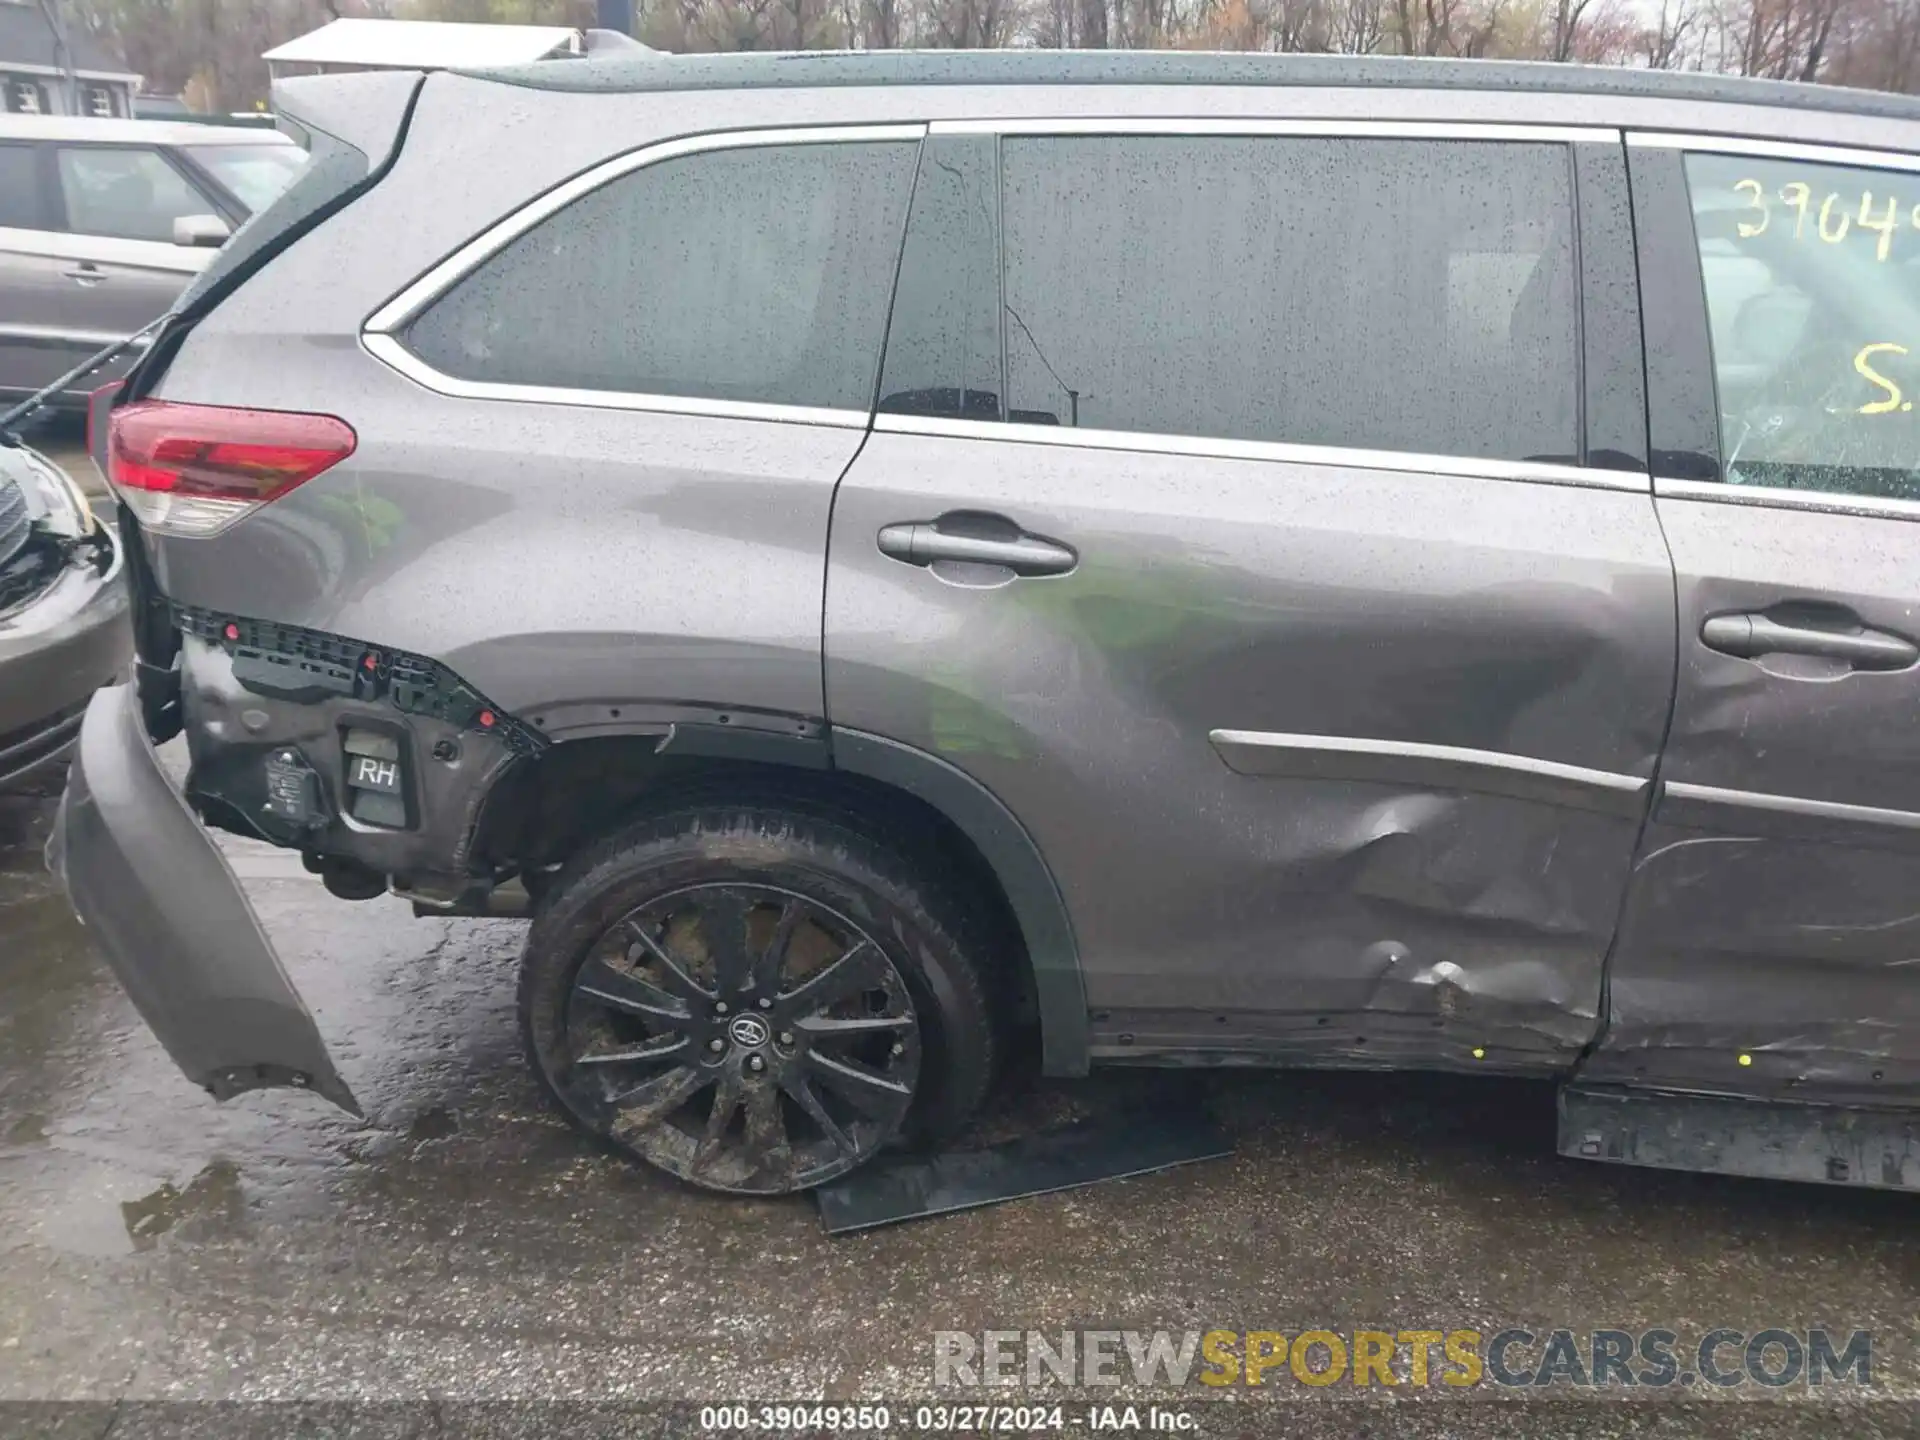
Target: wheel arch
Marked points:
582	787
1016	864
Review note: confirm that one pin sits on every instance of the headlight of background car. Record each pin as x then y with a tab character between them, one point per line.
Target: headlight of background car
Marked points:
58	505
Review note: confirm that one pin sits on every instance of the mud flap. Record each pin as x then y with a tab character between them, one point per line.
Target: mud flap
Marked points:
166	911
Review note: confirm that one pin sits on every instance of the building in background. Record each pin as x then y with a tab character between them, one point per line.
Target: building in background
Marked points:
37	78
419	45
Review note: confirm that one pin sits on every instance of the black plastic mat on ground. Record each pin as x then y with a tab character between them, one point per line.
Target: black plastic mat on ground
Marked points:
1084	1153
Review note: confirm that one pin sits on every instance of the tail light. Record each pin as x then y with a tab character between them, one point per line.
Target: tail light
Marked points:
195	469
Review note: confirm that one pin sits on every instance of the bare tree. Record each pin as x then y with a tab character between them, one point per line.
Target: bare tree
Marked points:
1357	27
1881	50
1567	16
1673	40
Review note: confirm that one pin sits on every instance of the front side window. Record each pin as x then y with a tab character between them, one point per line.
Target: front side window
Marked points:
129	194
1403	295
759	274
1812	278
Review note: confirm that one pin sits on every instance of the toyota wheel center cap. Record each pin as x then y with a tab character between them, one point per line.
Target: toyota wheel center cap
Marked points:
749	1031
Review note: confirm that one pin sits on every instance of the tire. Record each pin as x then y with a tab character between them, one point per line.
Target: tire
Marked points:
773	962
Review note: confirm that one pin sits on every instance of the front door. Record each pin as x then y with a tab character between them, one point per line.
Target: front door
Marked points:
1234	524
1771	944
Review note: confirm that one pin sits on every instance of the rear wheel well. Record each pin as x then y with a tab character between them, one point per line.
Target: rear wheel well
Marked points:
546	810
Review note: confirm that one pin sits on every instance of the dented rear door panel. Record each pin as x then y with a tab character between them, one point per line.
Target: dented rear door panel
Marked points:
1275	893
1771	941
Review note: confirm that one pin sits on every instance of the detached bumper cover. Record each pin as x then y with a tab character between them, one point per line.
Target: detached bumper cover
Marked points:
167	912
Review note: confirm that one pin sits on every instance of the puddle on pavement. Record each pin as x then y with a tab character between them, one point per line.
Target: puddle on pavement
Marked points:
434	1123
211	1206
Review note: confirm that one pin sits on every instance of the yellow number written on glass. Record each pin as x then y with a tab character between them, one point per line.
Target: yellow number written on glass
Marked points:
1835	236
1892	400
1885	225
1834	218
1797	195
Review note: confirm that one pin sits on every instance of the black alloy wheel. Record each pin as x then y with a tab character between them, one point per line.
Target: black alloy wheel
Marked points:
743	1037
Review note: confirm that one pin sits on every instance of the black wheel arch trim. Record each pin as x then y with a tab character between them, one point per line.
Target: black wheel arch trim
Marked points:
1016	862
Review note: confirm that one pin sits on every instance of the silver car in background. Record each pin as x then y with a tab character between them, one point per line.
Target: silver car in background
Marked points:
104	222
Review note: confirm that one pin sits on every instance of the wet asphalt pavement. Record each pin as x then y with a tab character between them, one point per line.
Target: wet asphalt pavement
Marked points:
463	1246
462	1243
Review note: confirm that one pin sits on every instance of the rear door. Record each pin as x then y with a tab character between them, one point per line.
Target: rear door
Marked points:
1230	515
1772	940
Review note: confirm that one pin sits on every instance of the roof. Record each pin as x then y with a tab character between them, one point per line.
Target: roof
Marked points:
27	39
134	132
1179	67
423	44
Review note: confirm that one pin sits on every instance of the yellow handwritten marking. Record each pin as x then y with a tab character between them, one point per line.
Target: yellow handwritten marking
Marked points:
1885	225
1874	377
1846	222
1798	201
1759	202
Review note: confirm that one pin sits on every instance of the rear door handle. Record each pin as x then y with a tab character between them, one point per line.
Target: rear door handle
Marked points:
87	273
923	542
1752	635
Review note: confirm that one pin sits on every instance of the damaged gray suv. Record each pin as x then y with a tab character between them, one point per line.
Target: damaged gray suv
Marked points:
894	561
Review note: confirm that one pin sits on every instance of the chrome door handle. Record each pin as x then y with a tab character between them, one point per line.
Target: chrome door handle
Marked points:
1753	635
86	273
924	542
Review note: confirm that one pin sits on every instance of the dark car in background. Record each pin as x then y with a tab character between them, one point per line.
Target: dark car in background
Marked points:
63	612
104	222
1158	559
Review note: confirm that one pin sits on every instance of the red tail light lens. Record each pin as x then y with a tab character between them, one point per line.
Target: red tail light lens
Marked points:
196	469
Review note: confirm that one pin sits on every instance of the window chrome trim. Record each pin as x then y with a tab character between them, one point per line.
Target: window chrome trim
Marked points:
390	352
1438	767
1276	451
1831	502
428	288
1774	149
1334	128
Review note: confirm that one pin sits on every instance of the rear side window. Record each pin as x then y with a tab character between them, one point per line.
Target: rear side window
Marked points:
20	205
129	194
758	274
1377	294
1403	295
1812	277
